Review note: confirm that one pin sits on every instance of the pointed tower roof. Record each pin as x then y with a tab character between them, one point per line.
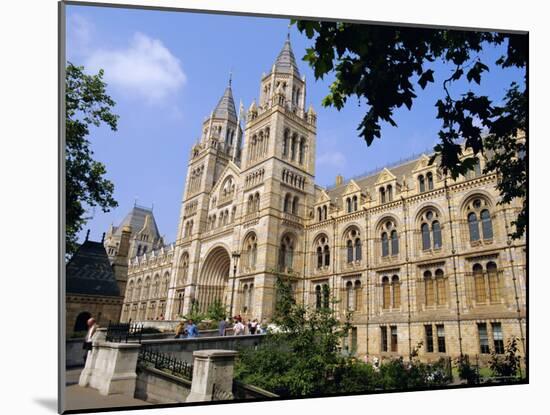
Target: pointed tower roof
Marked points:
285	61
226	106
136	220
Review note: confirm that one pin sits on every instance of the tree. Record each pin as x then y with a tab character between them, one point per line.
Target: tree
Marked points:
381	66
87	103
302	358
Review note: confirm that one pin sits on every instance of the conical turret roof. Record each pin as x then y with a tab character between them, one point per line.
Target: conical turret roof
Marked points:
286	61
226	106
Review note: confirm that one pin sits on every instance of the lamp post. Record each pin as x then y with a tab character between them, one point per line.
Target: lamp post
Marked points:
236	255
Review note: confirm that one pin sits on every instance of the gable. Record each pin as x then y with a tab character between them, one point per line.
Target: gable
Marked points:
385	176
351	187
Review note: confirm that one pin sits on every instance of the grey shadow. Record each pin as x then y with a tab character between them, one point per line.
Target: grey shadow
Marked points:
48	403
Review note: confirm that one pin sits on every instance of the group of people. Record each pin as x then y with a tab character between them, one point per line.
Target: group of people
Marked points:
186	330
239	327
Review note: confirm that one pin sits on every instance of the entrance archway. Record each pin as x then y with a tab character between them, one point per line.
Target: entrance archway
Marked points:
213	278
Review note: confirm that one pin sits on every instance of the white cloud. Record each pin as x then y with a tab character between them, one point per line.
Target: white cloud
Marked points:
79	33
333	158
145	69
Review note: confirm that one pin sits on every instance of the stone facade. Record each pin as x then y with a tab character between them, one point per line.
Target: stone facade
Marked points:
417	256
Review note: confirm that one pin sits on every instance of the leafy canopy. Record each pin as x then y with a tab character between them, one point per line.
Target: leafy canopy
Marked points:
382	66
87	104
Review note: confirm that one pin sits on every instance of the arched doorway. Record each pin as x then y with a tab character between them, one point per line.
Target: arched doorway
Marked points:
81	321
213	278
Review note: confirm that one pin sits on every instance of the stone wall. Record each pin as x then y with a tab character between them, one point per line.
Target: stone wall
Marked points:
156	386
183	348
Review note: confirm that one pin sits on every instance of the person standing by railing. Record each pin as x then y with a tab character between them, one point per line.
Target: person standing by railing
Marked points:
92	327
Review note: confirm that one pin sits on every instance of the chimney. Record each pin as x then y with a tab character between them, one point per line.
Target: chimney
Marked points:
120	264
339	180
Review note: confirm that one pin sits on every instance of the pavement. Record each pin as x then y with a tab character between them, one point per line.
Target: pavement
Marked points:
77	397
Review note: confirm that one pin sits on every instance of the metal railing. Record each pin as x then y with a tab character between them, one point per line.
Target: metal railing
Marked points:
163	361
124	332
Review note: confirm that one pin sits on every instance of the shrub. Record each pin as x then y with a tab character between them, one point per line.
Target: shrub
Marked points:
508	365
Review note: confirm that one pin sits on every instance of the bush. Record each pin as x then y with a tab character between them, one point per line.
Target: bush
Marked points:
507	366
466	371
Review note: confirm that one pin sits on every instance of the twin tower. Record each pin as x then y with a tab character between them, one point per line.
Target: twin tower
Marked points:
248	194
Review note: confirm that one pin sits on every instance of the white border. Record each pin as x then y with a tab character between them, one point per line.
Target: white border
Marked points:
28	167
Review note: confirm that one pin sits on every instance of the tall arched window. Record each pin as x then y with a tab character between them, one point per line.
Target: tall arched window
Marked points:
421	184
478	211
348	205
353	245
430	221
429	288
382	195
441	288
492	277
396	292
386	293
389	192
479	284
324	212
319	214
322	250
486	224
354	203
389	233
430	179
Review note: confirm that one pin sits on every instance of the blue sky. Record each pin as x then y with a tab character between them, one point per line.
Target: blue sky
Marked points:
166	72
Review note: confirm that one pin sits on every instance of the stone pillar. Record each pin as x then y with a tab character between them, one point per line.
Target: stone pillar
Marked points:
91	358
211	367
111	367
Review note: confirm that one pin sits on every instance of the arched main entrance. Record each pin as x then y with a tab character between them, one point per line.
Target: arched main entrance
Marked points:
213	278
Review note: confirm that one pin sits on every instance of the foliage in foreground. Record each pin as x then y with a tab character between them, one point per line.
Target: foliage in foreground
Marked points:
383	66
302	358
87	104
